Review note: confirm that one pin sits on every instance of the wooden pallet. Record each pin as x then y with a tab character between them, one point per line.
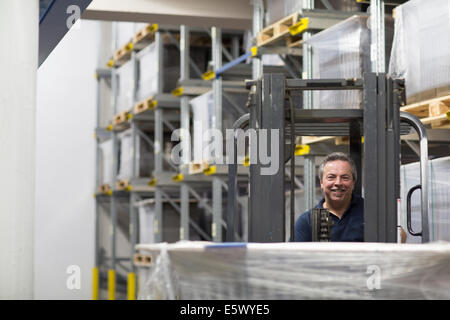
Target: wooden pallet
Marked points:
147	104
123	185
278	32
428	94
104	188
432	112
145	36
438	122
338	141
121	117
195	168
123	54
142	260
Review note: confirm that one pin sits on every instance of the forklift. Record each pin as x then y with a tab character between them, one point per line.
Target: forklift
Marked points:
275	103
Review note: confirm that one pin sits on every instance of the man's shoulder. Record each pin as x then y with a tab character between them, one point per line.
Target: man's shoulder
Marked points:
303	218
357	199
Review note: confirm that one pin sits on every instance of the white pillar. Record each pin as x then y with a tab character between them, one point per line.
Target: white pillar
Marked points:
19	27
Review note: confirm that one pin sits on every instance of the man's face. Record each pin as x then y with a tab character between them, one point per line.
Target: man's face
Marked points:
337	181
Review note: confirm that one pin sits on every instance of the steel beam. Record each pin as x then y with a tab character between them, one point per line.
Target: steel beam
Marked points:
267	213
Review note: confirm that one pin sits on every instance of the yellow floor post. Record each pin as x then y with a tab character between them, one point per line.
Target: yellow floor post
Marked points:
95	283
111	284
131	288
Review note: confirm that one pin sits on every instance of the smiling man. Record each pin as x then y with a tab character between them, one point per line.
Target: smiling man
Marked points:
337	175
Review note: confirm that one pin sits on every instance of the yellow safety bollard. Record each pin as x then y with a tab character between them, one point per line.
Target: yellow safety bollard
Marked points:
131	286
111	284
95	283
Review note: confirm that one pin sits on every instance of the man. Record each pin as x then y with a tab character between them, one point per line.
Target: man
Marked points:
337	175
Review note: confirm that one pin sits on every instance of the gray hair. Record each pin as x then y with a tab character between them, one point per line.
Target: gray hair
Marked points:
338	156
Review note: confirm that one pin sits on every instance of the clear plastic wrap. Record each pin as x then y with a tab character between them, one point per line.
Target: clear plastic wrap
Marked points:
421	48
148	70
315	270
148	75
277	9
343	51
439	198
146	222
106	162
125	87
144	156
203	113
124	32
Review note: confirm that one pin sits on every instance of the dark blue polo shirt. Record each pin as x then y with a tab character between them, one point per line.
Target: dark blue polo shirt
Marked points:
349	228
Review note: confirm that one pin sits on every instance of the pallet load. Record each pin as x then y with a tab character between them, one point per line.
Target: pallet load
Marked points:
421	49
195	270
148	71
144	157
203	112
277	9
106	166
343	51
147	225
439	198
203	137
125	89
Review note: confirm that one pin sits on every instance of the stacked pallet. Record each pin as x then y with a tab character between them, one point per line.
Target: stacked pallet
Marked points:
285	31
144	105
434	112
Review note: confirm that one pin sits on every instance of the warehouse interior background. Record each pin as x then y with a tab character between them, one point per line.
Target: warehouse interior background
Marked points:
71	226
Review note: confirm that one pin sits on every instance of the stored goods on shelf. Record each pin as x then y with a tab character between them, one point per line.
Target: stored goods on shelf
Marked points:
148	71
125	87
343	51
144	156
146	222
277	9
203	112
439	198
106	162
421	48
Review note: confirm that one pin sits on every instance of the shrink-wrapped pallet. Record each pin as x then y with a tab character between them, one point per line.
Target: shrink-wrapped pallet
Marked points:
148	71
278	9
146	222
106	162
439	199
421	48
125	87
144	156
317	270
343	51
204	146
203	113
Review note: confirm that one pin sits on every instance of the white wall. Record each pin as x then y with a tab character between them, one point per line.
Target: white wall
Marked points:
65	164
